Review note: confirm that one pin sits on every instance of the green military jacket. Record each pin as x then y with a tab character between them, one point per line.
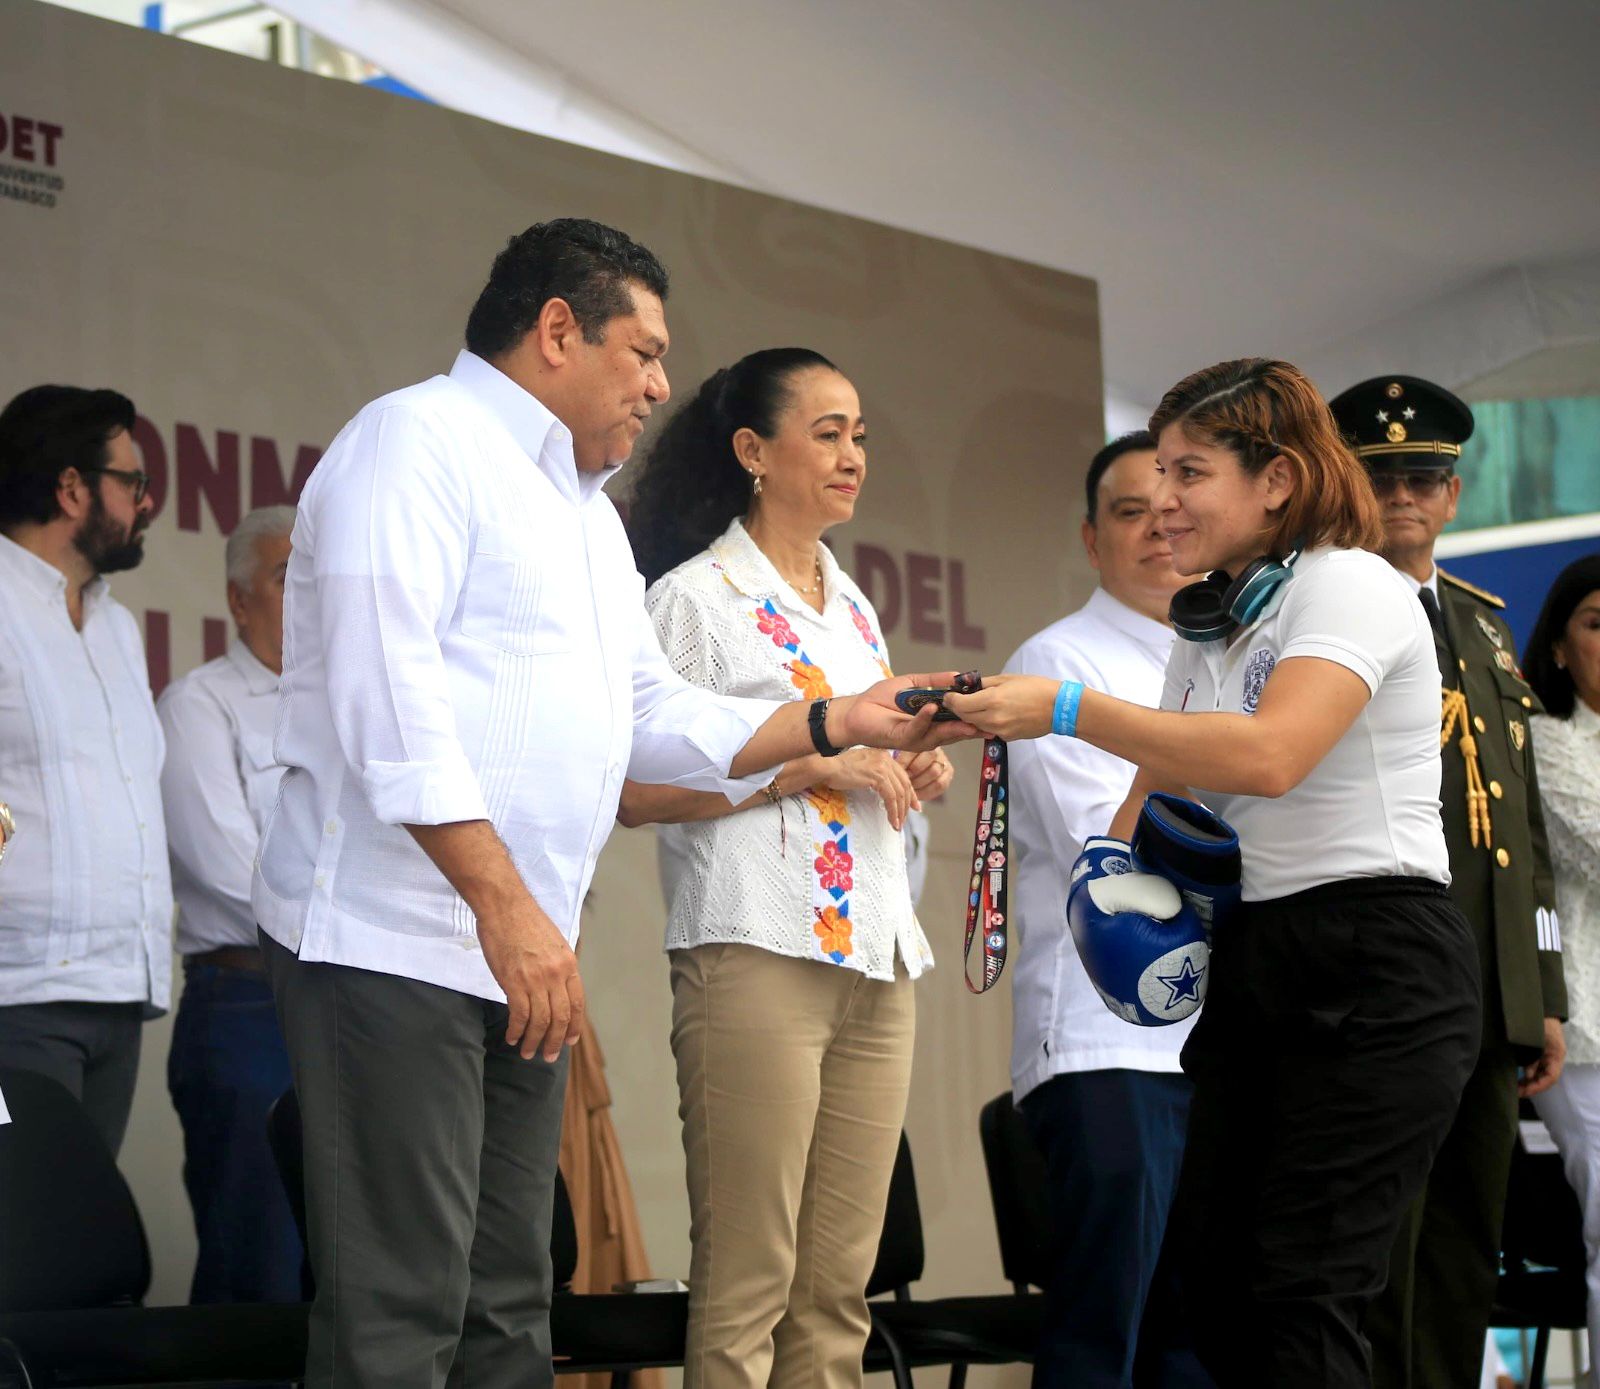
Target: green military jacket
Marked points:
1505	888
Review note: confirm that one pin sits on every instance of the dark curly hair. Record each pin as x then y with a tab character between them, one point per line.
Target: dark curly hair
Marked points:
1550	682
691	485
43	432
588	264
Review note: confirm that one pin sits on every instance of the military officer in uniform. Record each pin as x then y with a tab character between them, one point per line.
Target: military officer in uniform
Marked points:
1427	1329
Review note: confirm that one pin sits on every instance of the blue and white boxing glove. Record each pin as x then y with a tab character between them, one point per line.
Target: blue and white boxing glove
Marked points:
1145	949
1194	850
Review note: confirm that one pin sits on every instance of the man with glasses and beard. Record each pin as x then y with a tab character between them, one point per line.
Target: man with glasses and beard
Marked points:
85	948
1427	1328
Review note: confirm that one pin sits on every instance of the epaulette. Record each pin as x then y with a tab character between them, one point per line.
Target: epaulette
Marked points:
1482	594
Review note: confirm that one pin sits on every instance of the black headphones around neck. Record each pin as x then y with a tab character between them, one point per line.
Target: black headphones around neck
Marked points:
1217	606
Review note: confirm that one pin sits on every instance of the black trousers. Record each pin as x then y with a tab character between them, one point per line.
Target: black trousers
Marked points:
430	1152
91	1048
1339	1029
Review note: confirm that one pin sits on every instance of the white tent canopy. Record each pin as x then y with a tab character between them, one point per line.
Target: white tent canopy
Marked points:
1358	187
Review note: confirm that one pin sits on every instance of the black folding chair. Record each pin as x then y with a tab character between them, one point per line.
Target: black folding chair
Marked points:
1019	1190
986	1329
76	1268
1542	1262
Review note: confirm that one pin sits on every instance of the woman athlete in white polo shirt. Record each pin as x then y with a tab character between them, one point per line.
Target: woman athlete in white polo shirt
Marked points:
1302	705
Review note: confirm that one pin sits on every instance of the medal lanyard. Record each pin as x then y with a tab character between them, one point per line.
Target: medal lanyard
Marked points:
986	898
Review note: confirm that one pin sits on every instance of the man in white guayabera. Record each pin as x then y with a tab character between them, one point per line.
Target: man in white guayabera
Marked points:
468	674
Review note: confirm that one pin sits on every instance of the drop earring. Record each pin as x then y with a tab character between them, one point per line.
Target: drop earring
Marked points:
755	484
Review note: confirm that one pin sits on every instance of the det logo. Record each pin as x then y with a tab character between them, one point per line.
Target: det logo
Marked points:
29	151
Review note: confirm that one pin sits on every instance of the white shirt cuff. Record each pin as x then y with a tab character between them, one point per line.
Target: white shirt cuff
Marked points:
441	792
718	730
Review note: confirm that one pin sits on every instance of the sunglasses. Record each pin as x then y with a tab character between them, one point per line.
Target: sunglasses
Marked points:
140	482
1423	486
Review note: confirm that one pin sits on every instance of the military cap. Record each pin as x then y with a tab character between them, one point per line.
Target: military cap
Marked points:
1403	422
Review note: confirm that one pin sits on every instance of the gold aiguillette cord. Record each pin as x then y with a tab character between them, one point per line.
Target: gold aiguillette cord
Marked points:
1453	711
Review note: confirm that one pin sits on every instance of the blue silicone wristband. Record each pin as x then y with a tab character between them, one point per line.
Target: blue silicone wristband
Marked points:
1065	719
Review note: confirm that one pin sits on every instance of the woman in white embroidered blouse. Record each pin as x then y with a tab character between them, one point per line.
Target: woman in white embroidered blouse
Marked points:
790	928
1563	666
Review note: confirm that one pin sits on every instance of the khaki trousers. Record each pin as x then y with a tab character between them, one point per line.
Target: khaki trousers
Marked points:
792	1083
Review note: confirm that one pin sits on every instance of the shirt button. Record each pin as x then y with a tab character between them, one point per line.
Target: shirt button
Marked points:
333	827
1495	790
317	881
1478	723
1502	858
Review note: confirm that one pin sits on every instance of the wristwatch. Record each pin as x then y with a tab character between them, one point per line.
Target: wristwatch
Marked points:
818	719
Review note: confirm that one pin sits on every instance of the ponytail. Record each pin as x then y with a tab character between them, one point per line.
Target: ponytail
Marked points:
692	485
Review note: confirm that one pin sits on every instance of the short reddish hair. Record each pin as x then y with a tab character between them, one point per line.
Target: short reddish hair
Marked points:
1259	409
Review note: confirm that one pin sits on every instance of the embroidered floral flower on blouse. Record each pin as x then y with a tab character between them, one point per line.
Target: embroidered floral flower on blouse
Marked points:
833	930
863	626
776	626
864	630
834	866
809	679
831	806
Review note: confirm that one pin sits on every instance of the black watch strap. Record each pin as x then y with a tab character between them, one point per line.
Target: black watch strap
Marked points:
818	720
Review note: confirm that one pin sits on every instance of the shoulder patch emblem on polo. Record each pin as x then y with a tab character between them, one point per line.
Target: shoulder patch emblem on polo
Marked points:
1256	671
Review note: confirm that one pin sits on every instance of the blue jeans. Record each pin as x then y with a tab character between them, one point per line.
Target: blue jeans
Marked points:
227	1065
1113	1144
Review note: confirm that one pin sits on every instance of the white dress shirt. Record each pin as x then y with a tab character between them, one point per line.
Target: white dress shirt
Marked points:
464	639
823	875
1370	808
1567	754
218	785
1417	585
85	896
1063	792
